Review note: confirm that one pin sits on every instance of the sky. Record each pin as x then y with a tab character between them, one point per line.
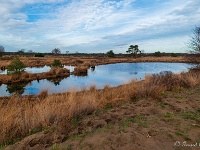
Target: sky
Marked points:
97	26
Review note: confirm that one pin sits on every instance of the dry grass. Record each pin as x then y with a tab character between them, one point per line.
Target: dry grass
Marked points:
172	81
162	59
80	71
27	77
21	116
59	71
90	61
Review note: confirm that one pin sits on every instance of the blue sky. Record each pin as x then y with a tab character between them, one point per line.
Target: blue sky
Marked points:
93	26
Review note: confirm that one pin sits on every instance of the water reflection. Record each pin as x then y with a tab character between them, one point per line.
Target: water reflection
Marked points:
92	68
112	74
56	81
36	69
16	88
83	74
2	69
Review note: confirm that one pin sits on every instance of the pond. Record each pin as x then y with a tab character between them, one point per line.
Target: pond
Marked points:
38	69
111	74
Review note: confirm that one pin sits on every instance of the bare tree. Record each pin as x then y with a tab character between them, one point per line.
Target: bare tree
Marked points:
194	43
30	51
56	51
21	51
2	50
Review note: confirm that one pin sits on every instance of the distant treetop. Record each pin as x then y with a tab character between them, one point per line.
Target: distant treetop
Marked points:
2	49
56	51
134	50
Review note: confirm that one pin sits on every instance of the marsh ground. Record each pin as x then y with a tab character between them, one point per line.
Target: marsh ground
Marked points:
32	61
143	124
152	114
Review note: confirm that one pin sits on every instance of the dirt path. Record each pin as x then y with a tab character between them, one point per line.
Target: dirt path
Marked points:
170	123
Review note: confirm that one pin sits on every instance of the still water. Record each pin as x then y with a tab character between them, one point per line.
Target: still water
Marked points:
38	69
112	74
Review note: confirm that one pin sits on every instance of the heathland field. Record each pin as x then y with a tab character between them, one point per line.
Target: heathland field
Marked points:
160	112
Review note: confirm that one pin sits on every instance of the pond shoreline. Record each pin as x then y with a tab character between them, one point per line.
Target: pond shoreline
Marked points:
60	80
45	112
81	64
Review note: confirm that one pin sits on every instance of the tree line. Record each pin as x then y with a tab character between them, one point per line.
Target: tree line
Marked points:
133	50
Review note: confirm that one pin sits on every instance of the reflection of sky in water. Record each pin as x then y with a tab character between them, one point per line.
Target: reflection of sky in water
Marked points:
32	69
39	69
112	74
3	91
3	71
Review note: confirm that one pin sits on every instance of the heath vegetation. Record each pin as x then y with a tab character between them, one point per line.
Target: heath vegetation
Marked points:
30	61
22	116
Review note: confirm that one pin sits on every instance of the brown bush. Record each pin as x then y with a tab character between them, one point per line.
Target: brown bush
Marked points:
52	70
25	75
15	77
61	71
170	81
80	71
43	94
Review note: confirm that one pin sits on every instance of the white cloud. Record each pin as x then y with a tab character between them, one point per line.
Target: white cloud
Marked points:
96	24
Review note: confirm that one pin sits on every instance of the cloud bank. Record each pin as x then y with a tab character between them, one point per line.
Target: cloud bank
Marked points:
97	25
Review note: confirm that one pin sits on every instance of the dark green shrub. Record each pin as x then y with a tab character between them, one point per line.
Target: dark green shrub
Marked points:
174	55
15	88
16	66
39	55
157	54
57	63
110	53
